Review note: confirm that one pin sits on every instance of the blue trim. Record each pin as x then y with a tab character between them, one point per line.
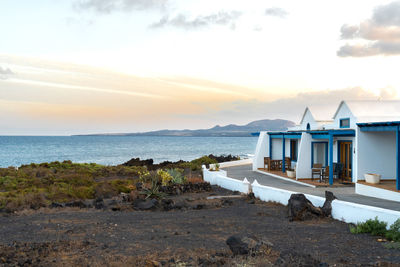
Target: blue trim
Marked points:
325	134
292	135
312	153
320	136
330	159
398	158
283	154
351	154
280	136
378	128
326	153
344	119
270	147
374	124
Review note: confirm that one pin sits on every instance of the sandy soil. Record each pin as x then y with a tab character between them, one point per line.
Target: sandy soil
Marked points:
194	235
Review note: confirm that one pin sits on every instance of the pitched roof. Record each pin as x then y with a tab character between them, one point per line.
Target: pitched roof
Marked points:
373	110
320	113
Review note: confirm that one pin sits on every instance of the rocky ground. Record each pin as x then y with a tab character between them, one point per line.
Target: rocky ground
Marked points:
183	230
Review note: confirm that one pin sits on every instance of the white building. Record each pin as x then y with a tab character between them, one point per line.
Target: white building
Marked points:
361	137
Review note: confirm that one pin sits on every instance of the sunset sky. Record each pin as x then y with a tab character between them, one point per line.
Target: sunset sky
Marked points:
94	66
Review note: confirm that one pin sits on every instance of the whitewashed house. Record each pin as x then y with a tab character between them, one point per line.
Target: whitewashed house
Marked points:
361	136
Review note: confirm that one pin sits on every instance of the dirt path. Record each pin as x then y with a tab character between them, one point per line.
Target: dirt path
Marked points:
95	237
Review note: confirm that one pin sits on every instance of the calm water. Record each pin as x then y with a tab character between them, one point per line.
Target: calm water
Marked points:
112	150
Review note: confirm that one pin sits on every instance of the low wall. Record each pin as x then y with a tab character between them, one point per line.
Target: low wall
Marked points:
372	191
233	163
341	210
219	178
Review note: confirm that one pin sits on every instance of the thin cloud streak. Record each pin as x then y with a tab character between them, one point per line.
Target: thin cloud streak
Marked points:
84	88
109	6
221	18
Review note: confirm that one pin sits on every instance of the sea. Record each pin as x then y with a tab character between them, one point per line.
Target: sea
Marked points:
113	150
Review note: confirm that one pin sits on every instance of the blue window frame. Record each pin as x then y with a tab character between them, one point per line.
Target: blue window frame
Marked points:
308	127
345	123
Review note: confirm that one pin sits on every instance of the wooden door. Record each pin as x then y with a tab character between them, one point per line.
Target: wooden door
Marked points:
346	160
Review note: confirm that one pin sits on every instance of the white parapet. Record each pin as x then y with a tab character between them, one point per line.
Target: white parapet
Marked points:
372	191
341	210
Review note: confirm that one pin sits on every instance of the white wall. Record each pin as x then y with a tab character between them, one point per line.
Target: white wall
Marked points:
343	113
376	154
308	118
341	210
276	148
262	150
303	168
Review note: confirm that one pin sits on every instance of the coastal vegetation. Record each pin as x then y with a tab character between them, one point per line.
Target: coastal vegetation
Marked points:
39	185
378	228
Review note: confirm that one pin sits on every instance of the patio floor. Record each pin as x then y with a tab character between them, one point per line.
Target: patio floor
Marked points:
384	184
314	182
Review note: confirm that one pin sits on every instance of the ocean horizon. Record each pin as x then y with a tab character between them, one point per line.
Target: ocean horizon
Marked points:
114	150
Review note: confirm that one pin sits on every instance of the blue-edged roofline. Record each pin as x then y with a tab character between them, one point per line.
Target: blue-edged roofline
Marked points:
376	124
336	132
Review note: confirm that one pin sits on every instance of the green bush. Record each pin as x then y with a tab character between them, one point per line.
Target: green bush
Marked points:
394	231
177	176
375	227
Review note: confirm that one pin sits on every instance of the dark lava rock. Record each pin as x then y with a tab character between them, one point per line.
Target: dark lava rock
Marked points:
246	245
99	204
78	204
327	207
167	204
300	208
56	205
138	162
148	204
237	246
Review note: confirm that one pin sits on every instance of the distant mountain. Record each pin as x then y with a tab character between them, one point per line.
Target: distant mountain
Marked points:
228	130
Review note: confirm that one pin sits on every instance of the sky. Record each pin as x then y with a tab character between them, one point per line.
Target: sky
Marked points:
115	66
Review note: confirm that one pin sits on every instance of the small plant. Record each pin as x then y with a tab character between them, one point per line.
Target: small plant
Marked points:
153	191
394	231
375	227
177	176
392	245
166	178
144	176
217	166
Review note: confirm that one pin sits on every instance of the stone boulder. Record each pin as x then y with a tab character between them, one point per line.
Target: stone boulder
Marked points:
300	208
246	245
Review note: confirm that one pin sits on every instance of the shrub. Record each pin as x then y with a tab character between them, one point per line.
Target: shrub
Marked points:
104	190
177	176
153	191
375	227
394	231
165	177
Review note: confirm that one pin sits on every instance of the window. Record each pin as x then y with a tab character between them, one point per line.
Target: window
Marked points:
293	150
308	127
345	123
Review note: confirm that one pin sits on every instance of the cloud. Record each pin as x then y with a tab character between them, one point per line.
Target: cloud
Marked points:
109	6
221	18
291	108
276	12
5	73
379	35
